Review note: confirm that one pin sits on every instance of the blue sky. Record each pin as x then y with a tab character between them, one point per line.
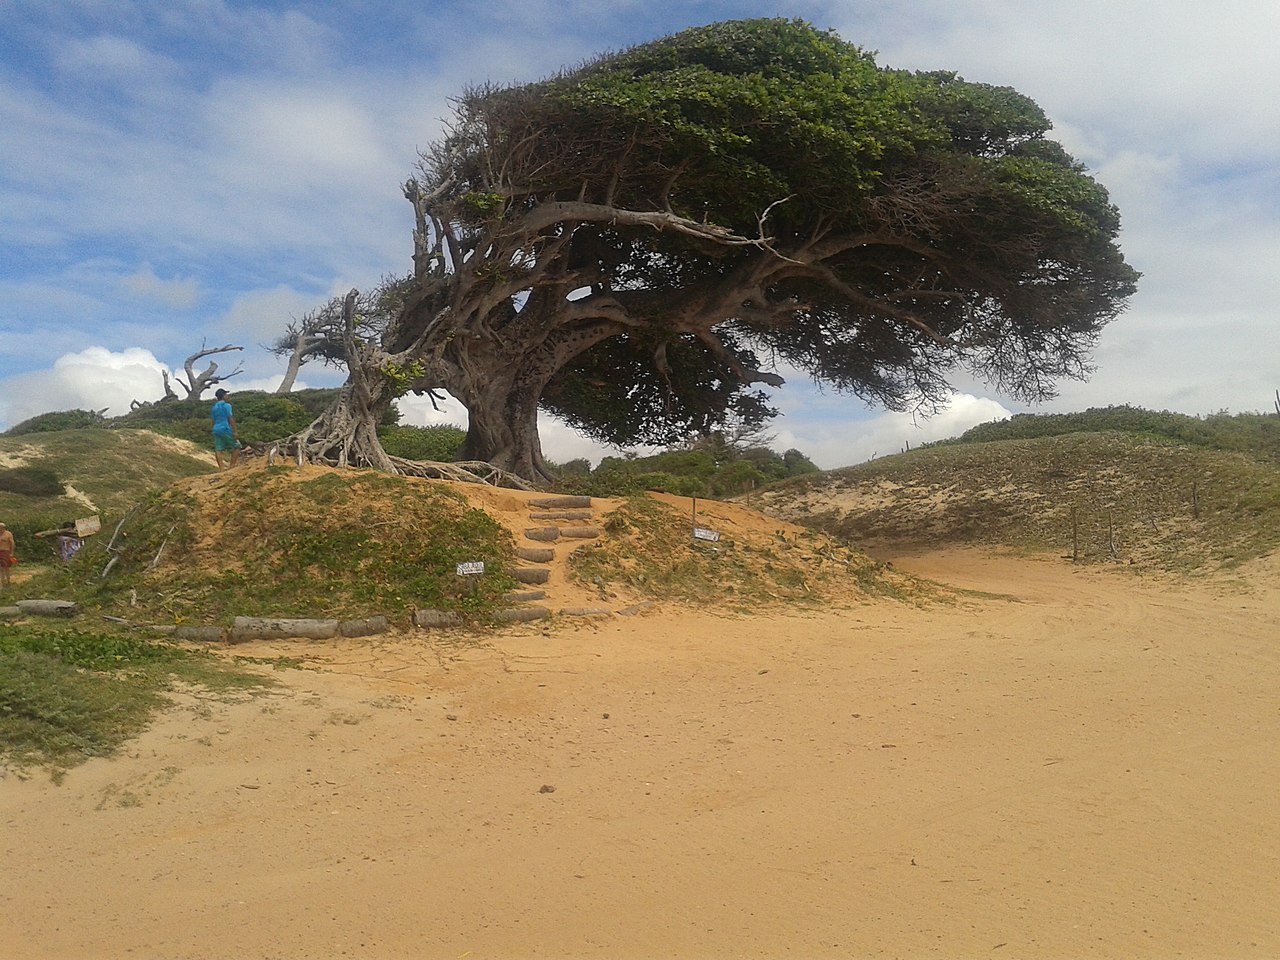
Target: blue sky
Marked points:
179	172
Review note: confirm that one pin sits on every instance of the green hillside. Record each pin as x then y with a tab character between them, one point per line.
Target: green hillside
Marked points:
49	478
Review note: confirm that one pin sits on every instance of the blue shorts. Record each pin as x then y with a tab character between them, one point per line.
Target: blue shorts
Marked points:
225	441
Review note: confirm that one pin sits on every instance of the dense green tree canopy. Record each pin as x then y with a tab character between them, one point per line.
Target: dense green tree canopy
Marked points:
639	243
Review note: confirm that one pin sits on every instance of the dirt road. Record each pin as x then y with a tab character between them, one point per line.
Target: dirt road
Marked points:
1066	764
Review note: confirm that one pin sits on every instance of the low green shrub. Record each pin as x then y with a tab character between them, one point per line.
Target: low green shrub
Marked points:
30	482
59	420
441	443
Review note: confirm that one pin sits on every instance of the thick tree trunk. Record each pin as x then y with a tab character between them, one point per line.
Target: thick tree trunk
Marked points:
499	379
503	431
500	387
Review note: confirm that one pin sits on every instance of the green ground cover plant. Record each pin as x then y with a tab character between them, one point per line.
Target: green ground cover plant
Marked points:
67	695
1254	434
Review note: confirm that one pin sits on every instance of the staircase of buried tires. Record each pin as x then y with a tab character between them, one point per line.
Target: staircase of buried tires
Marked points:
561	518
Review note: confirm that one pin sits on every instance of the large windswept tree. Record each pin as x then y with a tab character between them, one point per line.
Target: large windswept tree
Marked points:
637	244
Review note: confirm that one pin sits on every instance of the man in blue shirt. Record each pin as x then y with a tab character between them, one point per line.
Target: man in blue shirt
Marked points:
225	438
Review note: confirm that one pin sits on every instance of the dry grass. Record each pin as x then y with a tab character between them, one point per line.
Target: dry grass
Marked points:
1097	496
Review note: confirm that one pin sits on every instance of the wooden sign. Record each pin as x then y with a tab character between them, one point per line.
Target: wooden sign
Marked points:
700	533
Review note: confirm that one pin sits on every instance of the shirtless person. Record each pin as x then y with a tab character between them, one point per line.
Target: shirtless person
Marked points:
6	554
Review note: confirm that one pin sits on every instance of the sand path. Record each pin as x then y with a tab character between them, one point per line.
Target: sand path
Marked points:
1086	766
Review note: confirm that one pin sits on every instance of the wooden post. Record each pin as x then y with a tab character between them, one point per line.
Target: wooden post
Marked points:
1075	535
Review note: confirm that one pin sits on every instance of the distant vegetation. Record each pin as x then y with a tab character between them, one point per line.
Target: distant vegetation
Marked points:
711	469
1255	434
60	420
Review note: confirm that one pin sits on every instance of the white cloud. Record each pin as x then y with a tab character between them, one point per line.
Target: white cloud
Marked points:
418	411
266	313
176	294
263	384
91	379
832	442
105	58
296	138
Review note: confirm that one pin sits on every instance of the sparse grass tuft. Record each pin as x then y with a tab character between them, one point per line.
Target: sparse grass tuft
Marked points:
651	551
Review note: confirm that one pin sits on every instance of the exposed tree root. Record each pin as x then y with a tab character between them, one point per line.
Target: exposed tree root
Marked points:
345	452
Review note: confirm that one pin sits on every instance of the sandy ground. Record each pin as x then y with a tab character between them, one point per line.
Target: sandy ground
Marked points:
1070	764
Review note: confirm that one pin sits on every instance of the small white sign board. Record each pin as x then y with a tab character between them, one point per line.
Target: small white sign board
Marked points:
700	533
471	568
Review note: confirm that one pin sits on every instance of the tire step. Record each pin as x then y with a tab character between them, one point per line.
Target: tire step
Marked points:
521	614
524	596
561	515
536	554
586	612
530	574
555	503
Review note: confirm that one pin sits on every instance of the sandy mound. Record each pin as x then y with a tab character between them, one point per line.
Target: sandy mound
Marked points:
285	541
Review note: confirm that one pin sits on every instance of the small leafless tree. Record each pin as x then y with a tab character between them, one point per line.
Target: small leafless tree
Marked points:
197	383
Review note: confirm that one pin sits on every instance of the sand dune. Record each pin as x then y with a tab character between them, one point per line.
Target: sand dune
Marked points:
1063	763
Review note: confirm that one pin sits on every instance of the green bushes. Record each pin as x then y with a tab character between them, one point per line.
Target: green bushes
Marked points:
30	482
716	472
1254	434
61	420
440	443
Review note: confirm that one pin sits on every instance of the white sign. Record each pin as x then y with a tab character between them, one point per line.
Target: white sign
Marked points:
475	566
700	534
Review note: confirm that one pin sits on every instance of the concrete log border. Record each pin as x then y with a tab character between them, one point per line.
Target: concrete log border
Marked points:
47	608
